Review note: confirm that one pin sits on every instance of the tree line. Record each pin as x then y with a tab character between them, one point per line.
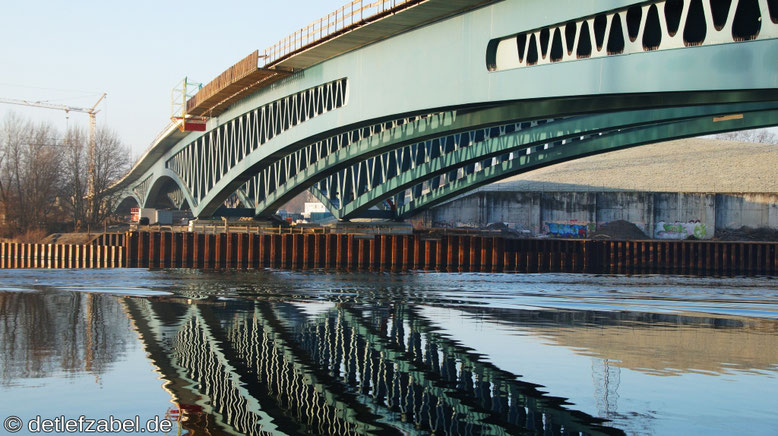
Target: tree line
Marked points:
44	176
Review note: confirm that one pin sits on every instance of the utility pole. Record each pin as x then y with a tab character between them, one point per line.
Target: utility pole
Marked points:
92	112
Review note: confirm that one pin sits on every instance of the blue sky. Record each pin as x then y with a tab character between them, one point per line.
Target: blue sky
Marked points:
70	52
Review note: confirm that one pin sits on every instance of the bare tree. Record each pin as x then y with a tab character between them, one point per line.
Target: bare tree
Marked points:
11	144
75	183
3	193
44	176
30	174
112	160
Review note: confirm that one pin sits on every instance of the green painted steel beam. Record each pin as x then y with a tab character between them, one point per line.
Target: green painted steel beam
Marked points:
441	67
324	200
450	123
624	139
550	132
404	134
556	107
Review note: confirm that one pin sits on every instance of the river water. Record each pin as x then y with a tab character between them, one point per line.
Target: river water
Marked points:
312	353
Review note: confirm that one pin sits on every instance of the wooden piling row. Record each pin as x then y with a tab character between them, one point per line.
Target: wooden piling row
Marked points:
50	256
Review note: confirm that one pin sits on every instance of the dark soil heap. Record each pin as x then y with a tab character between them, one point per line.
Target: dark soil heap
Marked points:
619	230
747	234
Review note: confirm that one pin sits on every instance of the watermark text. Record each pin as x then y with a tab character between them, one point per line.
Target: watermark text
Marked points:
82	424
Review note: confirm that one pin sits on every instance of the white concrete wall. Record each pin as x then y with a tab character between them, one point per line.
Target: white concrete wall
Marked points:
662	215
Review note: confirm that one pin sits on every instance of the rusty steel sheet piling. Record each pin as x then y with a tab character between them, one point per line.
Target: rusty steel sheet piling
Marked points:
418	251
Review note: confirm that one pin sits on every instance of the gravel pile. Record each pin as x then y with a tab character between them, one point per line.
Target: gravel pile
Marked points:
688	165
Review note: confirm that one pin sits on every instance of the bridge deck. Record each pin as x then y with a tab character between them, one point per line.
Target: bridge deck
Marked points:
401	18
447	124
355	25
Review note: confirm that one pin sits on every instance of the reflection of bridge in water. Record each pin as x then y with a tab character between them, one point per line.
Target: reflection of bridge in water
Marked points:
269	367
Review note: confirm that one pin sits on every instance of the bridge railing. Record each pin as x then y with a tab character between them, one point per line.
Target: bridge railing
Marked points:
162	134
350	15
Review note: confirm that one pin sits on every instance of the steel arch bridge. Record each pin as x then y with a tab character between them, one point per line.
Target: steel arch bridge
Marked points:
427	99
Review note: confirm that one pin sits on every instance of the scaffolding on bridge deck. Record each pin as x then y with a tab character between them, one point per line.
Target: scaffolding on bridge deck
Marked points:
312	44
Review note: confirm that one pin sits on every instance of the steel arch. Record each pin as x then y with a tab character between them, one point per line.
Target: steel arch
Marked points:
519	136
124	197
602	144
279	162
177	196
440	67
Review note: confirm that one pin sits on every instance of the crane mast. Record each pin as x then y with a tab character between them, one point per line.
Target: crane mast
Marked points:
92	112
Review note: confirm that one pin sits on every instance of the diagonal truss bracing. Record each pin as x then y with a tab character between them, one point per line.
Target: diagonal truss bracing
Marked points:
406	172
395	165
269	187
526	159
576	60
204	162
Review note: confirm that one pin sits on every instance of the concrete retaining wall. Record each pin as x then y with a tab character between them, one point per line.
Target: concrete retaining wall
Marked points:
660	215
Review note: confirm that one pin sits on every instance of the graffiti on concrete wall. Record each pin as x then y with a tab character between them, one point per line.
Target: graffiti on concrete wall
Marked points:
679	230
569	229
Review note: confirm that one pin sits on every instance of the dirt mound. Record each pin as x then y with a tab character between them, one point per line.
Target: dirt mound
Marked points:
747	234
619	230
497	226
68	238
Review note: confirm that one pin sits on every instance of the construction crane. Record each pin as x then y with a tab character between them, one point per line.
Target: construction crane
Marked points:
92	132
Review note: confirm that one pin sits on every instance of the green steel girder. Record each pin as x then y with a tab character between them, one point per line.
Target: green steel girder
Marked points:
622	139
537	109
449	123
268	154
167	179
549	132
334	209
403	134
441	67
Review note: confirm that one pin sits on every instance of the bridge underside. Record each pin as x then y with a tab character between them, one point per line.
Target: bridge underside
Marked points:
590	82
411	175
402	167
